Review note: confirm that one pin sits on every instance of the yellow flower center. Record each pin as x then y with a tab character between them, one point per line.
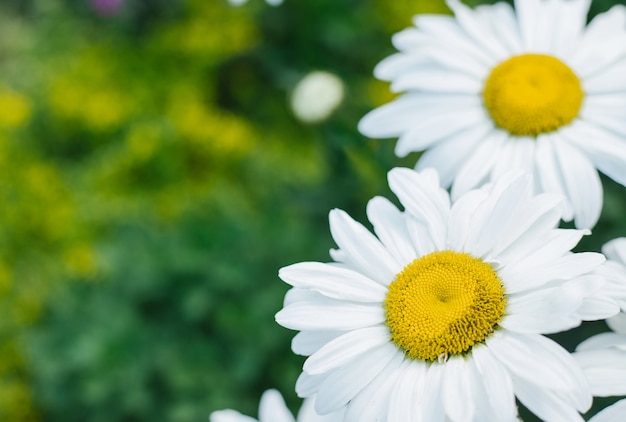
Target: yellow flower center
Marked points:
532	94
442	304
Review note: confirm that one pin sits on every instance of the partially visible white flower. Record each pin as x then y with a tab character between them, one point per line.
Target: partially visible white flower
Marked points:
316	96
272	408
493	89
614	271
607	299
603	359
241	2
613	413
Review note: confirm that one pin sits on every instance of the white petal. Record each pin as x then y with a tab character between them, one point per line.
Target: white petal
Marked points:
605	369
581	182
344	349
400	63
564	268
449	154
545	404
372	403
305	343
568	26
479	242
273	408
504	24
342	385
549	173
421	238
607	81
406	398
329	316
616	250
525	315
554	309
497	220
597	308
433	410
333	281
447	30
457	390
475	27
363	250
474	172
308	385
533	228
424	133
497	383
393	119
617	323
461	216
542	362
390	227
295	295
437	81
229	415
604	340
307	413
538	245
528	14
602	43
516	153
606	150
613	413
428	203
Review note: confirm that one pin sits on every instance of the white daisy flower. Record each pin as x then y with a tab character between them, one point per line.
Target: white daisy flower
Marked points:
272	408
316	96
613	413
603	359
441	314
493	89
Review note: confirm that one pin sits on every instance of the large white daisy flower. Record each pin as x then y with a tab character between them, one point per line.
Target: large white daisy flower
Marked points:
603	359
441	314
493	89
272	408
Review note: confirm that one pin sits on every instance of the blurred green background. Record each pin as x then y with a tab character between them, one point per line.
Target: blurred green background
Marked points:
154	180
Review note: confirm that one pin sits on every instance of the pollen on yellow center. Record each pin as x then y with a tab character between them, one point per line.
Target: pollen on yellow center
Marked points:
442	304
532	94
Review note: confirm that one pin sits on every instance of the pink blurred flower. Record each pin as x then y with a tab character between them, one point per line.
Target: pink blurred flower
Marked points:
107	7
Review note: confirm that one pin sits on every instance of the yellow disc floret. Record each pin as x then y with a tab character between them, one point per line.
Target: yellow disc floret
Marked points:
532	94
442	304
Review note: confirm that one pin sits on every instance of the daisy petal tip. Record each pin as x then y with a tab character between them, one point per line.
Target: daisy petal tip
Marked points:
335	215
401	150
365	126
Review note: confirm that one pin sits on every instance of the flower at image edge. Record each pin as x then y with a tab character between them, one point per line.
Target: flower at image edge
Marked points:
441	314
272	408
492	89
603	359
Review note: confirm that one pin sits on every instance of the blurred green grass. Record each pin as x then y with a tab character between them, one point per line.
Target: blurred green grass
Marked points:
155	181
